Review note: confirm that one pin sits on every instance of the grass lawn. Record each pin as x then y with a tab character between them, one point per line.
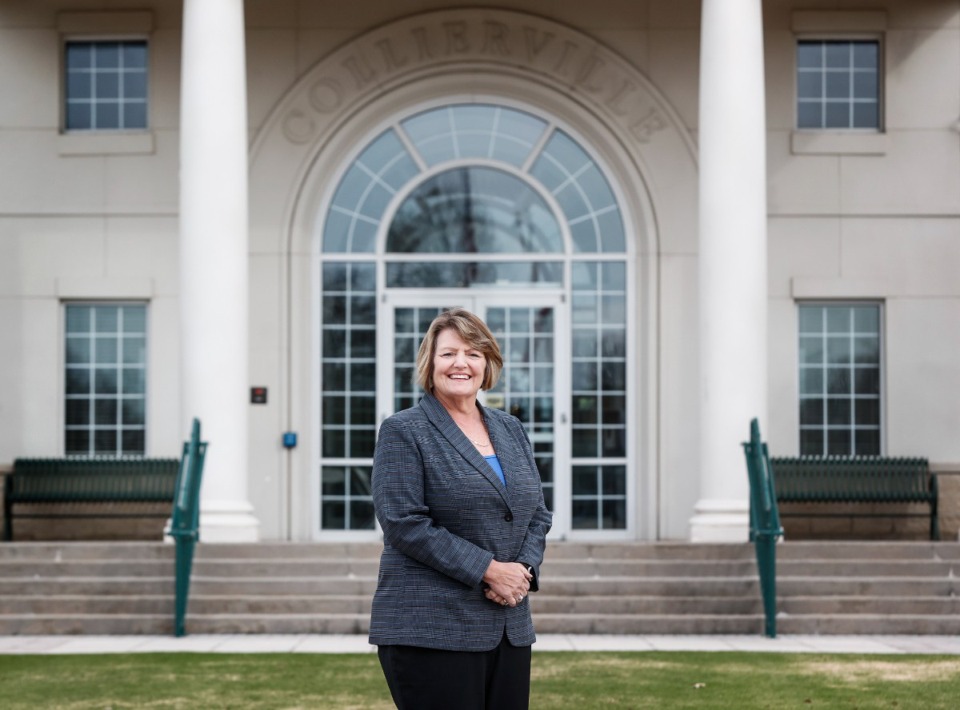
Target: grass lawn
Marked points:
560	680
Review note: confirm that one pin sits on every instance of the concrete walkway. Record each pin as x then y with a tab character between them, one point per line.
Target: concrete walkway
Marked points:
546	642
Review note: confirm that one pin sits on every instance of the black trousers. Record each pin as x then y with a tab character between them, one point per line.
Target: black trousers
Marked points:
428	679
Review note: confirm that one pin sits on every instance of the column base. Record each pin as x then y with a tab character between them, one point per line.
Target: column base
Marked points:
228	522
720	521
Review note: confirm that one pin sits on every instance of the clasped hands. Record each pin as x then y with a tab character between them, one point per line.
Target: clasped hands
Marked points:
507	583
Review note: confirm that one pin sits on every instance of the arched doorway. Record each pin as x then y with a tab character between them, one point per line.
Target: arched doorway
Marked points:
502	210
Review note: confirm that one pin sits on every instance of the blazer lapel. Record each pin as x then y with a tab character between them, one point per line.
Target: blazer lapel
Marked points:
448	428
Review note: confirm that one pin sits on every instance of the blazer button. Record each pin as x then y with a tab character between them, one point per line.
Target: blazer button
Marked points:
508	517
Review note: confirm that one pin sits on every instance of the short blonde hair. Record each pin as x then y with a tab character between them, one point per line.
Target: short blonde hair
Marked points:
474	332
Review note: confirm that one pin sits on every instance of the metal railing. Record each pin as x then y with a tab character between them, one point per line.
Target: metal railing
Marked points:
765	526
185	521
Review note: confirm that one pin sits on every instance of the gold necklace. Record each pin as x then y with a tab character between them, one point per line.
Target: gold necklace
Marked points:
473	441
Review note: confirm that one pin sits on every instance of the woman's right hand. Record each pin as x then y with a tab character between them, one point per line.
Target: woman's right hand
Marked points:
507	583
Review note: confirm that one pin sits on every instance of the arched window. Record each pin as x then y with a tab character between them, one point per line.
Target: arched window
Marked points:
503	211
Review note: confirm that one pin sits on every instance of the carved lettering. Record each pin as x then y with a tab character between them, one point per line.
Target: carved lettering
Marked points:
588	73
423	44
568	49
495	38
390	59
644	127
535	42
326	95
614	103
298	127
360	71
545	48
456	37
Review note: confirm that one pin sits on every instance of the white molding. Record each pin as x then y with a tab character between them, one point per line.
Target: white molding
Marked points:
104	288
838	21
106	143
838	143
90	23
820	287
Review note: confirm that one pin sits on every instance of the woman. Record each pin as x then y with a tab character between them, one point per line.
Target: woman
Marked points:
458	495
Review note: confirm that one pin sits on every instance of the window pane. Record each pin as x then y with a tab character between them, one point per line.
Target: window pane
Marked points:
866	55
107	55
133	442
810	85
838	85
105	412
866	115
134	115
811	442
78	412
809	55
837	115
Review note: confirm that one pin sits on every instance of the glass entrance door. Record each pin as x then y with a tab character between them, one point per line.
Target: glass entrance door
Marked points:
530	332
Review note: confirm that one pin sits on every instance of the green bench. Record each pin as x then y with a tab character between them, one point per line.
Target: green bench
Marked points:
867	479
50	486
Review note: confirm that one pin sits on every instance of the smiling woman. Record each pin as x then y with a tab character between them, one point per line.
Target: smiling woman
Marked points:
458	495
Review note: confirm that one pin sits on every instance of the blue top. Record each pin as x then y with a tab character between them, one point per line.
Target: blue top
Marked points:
494	462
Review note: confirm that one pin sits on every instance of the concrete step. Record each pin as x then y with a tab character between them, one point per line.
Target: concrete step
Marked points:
912	606
86	624
76	604
648	624
66	551
660	588
867	586
543	604
868	624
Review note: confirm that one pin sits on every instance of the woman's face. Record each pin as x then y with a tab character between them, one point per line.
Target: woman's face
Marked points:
458	369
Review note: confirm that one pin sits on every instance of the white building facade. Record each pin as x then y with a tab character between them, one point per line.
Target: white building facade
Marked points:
676	216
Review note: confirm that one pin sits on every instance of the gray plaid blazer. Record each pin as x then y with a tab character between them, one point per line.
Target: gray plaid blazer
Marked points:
445	515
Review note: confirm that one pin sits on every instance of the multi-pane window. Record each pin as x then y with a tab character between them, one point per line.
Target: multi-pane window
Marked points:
349	394
840	346
838	84
599	390
105	85
527	338
479	199
105	379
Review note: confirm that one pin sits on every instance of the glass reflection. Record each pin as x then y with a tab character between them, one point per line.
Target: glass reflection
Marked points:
474	211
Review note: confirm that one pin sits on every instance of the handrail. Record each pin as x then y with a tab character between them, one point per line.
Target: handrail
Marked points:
765	525
185	521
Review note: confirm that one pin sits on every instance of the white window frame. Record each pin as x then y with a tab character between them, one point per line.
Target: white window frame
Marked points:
146	372
105	27
842	26
881	335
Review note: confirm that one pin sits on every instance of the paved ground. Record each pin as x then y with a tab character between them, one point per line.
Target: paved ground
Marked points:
545	642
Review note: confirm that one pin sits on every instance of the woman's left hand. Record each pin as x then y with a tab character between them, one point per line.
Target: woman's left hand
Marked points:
508	583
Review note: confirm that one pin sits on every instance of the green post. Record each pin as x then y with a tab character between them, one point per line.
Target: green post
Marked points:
765	526
185	522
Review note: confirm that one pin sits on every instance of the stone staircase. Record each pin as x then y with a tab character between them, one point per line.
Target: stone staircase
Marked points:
596	588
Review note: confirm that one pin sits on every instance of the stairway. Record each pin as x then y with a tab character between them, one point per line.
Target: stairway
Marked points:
595	588
868	588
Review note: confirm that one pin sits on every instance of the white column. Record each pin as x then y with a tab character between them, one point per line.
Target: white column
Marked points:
213	259
733	261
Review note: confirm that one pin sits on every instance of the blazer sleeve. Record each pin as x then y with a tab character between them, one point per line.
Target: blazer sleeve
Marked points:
398	498
535	541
